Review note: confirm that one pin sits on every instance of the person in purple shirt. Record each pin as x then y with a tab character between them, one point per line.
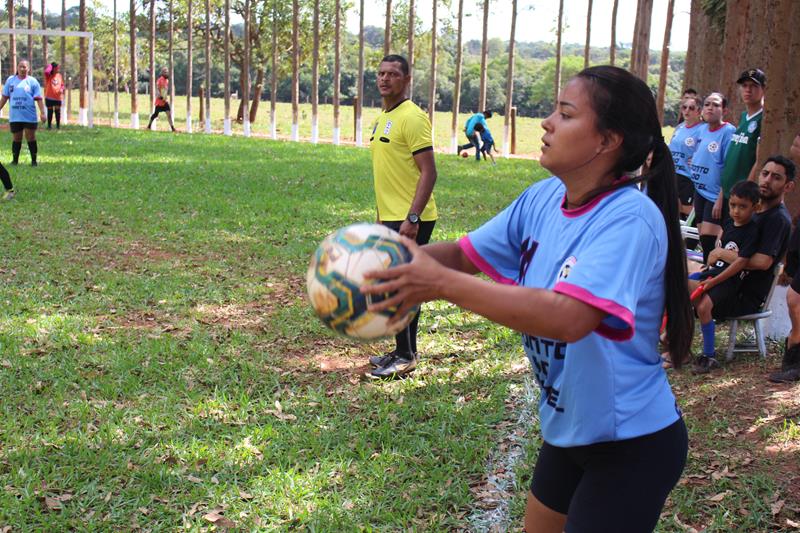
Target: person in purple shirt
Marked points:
584	266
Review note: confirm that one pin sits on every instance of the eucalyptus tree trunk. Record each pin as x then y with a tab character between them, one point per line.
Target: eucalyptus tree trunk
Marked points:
315	77
387	30
208	67
432	94
171	40
245	77
337	70
360	98
227	130
484	57
295	69
587	47
189	72
411	47
559	30
640	50
510	82
612	52
134	69
44	37
12	39
116	68
152	58
457	81
273	86
30	37
662	77
82	111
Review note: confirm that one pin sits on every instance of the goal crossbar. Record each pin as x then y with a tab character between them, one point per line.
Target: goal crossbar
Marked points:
60	33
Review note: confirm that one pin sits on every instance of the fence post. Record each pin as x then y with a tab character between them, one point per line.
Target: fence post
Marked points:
513	129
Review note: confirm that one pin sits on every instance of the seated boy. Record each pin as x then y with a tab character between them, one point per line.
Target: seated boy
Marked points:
724	273
487	140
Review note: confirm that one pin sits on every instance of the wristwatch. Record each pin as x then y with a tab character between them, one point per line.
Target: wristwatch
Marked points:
413	218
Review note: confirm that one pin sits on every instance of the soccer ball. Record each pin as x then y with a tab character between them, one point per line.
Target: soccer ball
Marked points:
465	154
337	272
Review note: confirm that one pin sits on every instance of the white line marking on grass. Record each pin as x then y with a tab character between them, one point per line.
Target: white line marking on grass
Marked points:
493	495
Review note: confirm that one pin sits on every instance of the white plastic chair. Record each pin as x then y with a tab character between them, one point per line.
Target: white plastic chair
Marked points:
757	343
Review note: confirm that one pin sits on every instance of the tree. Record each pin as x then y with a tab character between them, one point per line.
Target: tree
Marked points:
640	50
411	47
82	68
360	97
457	82
189	73
662	78
510	81
246	71
44	37
274	74
152	60
171	39
432	93
12	39
737	25
295	69
227	48
315	77
116	68
387	30
559	29
484	54
30	37
612	52
337	70
588	35
134	71
208	66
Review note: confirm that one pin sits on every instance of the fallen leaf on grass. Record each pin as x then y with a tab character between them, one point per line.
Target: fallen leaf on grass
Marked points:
245	495
719	497
686	527
5	529
194	479
219	520
52	504
776	507
790	523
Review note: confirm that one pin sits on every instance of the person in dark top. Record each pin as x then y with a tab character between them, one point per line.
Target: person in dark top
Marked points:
790	364
774	224
722	278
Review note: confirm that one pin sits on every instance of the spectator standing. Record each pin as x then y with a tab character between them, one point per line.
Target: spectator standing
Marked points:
53	94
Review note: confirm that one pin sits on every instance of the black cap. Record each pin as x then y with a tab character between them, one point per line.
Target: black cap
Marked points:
754	74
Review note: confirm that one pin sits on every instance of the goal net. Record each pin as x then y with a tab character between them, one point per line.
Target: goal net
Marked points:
85	115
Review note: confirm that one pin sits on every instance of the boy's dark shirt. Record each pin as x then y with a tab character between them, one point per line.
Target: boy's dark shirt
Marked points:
741	239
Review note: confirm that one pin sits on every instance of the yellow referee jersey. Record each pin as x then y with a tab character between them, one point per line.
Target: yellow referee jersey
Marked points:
397	135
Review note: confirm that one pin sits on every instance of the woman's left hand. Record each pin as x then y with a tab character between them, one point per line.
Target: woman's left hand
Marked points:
413	283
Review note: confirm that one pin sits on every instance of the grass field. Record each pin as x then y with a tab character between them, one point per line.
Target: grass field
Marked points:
160	368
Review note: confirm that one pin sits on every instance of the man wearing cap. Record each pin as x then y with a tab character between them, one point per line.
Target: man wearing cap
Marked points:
740	161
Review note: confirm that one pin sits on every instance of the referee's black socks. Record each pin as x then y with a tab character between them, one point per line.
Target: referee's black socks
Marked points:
16	146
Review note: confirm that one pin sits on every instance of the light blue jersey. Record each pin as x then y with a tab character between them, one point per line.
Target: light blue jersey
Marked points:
610	254
682	145
475	119
709	159
21	94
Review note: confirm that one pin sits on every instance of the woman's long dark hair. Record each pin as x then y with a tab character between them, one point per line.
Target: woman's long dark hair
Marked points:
624	104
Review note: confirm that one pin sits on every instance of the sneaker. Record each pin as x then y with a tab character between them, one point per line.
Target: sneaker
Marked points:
9	195
378	361
396	367
34	164
789	375
705	364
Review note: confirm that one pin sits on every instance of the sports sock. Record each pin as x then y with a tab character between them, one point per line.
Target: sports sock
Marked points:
33	148
708	242
57	113
16	146
49	117
708	338
5	177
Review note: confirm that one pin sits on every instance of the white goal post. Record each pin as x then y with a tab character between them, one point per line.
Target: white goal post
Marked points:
84	119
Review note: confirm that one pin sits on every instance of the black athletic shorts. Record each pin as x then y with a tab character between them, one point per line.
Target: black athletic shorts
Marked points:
50	102
17	127
685	190
796	283
616	486
162	108
703	209
729	301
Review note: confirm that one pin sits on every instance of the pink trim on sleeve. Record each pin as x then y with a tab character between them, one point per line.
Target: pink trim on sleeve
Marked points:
609	306
473	255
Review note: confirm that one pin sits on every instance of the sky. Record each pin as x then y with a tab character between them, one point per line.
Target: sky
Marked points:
536	19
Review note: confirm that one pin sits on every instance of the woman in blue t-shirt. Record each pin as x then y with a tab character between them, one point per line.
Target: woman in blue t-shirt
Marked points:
25	93
587	265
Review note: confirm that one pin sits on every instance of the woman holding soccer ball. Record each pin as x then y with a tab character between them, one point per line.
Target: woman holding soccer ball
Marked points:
585	265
